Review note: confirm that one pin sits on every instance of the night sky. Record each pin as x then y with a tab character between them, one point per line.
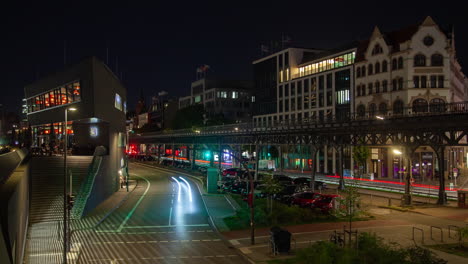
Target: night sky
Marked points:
159	46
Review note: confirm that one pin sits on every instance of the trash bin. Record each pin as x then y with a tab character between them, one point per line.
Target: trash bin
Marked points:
281	239
462	198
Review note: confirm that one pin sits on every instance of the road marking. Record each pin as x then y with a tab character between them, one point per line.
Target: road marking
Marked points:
234	242
245	250
134	207
170	215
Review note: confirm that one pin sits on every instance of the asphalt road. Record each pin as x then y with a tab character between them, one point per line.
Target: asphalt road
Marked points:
164	220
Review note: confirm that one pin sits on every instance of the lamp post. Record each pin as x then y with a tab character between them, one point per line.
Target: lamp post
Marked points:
65	178
399	153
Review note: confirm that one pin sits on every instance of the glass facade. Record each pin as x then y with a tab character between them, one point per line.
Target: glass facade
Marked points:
63	95
328	64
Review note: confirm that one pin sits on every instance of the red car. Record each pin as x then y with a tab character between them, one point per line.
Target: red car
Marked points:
233	172
304	199
326	203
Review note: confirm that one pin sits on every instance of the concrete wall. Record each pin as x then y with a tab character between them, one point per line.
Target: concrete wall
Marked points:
14	212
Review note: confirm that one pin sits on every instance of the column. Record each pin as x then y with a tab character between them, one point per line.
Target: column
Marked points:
441	159
194	155
257	159
335	169
325	159
313	153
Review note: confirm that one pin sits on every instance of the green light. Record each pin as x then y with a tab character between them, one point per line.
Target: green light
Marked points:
207	154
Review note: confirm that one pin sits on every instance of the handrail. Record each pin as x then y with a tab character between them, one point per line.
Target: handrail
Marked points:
422	234
458	231
441	233
248	127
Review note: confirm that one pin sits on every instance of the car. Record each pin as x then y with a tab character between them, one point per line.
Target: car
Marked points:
233	172
237	187
326	203
305	181
286	193
283	179
305	199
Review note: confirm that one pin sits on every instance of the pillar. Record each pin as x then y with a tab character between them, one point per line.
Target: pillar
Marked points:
194	155
313	153
441	158
325	159
340	170
257	159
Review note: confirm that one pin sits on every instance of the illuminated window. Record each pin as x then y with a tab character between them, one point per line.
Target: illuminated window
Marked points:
118	102
224	95
93	131
235	95
197	99
253	99
62	95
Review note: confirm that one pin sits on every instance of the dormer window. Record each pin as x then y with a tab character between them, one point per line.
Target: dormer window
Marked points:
377	49
428	41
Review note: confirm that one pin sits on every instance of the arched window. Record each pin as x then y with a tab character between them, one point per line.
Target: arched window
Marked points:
400	84
363	88
358	90
437	60
377	67
383	109
394	64
394	84
372	109
400	63
384	66
370	88
437	105
419	106
398	107
377	87
384	86
361	110
363	71
358	72
419	60
370	69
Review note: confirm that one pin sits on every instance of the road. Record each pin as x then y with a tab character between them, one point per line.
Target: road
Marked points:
164	220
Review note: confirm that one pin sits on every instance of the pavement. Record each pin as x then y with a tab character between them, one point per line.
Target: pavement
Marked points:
392	225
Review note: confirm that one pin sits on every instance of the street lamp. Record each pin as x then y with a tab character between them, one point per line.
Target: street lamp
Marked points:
65	197
397	152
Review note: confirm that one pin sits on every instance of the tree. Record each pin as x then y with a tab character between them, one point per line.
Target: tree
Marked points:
272	187
189	117
349	205
360	154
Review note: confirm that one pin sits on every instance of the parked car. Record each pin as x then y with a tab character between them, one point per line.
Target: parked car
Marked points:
319	185
237	187
233	172
304	199
286	193
283	179
326	203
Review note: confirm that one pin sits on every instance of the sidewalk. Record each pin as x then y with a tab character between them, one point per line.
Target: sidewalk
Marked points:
104	209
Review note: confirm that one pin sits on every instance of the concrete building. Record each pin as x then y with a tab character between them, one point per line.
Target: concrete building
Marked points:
231	98
410	70
99	120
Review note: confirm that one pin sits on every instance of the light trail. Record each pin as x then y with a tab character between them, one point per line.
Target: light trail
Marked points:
178	194
189	188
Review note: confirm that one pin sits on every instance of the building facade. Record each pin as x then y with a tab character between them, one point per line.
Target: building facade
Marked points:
232	99
411	70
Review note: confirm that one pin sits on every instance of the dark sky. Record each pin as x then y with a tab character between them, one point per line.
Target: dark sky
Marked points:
159	46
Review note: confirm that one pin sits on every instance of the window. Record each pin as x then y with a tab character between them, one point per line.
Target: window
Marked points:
358	72
398	107
329	99
437	60
286	90
370	88
363	71
377	49
419	60
299	87
281	106
377	87
299	103
377	67
293	88
394	84
416	81
280	92
384	86
321	85
253	98
437	105
363	89
400	84
441	81
235	95
384	66
428	41
306	85
372	109
62	95
361	110
433	81
223	94
383	108
342	97
370	69
419	106
394	64
286	106
118	102
400	63
358	90
423	82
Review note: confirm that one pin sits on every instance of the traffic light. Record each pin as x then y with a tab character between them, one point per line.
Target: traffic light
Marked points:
207	154
70	201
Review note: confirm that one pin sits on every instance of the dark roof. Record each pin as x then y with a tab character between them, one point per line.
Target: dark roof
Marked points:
311	56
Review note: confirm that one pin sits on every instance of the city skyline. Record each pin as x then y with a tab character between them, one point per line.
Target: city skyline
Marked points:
155	52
